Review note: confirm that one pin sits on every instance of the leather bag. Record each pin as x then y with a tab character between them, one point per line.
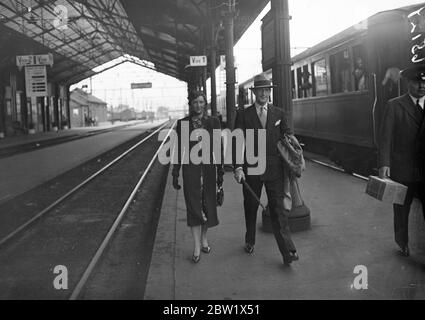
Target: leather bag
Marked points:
292	154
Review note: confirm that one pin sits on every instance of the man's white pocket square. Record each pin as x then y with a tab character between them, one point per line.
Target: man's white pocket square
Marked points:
277	123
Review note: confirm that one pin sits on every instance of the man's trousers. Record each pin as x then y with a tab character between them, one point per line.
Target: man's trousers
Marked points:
401	212
278	215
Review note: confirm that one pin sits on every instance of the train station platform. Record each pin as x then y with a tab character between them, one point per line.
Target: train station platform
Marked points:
24	171
20	140
348	228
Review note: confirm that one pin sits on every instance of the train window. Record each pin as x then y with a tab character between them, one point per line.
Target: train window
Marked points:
320	78
306	82
341	72
299	82
359	72
294	93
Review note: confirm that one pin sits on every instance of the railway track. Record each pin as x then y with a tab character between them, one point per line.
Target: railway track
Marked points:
76	228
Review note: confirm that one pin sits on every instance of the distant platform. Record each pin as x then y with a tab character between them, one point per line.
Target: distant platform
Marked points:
30	169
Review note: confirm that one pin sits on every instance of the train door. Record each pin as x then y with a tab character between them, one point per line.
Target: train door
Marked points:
388	53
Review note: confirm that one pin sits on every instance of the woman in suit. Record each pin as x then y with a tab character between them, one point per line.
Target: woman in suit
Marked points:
199	180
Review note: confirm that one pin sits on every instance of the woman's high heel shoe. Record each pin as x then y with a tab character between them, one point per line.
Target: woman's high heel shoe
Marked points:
206	249
195	259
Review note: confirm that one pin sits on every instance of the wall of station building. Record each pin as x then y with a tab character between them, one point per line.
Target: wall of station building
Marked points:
20	115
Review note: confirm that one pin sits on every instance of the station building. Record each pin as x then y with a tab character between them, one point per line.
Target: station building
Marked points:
85	108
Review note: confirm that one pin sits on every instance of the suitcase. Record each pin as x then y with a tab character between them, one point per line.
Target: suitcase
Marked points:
386	190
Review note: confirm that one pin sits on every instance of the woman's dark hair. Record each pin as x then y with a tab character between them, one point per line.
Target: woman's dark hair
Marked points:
195	94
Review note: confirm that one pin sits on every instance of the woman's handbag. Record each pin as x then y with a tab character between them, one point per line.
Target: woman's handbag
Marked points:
220	196
292	154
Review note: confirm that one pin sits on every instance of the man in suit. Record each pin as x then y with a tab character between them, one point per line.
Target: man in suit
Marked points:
399	148
262	115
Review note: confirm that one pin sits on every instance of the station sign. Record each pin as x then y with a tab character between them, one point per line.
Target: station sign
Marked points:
34	60
142	85
24	60
44	59
36	81
198	61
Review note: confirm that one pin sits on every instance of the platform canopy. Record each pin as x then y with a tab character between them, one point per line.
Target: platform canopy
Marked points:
158	34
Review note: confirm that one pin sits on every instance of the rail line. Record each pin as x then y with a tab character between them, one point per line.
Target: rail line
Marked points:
91	266
40	214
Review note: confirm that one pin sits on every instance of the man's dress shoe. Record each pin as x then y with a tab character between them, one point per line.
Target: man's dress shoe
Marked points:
249	248
405	252
293	256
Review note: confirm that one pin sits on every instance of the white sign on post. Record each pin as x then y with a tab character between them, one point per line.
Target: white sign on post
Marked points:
44	59
198	61
36	81
22	61
33	60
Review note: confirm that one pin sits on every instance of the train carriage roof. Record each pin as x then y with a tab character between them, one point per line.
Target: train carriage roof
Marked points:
358	29
350	33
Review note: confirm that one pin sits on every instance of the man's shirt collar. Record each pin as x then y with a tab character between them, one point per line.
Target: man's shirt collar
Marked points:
421	100
258	106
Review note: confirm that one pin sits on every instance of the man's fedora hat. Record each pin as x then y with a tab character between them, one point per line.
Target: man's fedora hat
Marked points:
260	81
416	73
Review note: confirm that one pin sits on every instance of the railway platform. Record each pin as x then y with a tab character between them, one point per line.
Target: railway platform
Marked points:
22	141
348	229
26	170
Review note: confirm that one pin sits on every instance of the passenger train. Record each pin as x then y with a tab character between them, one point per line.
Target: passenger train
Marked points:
341	85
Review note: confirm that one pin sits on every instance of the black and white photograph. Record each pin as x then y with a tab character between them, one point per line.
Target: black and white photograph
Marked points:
209	156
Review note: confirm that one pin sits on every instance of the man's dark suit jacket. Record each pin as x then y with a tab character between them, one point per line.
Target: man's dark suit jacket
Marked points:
399	145
421	147
276	126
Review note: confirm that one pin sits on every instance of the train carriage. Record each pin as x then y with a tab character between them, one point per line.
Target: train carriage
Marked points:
340	86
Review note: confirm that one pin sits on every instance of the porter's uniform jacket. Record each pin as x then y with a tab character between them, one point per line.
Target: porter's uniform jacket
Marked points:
399	144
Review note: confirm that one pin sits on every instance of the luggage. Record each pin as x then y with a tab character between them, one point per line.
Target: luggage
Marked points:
386	190
292	154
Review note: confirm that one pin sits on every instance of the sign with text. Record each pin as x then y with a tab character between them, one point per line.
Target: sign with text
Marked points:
198	61
22	61
36	81
142	85
44	59
33	60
